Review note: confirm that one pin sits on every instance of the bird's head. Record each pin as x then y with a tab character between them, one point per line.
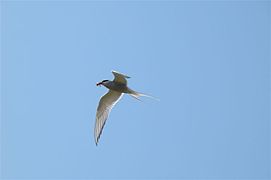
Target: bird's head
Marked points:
102	82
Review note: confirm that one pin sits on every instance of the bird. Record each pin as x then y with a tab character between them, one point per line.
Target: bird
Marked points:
117	88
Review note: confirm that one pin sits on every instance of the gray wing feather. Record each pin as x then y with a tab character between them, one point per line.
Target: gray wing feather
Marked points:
120	78
106	103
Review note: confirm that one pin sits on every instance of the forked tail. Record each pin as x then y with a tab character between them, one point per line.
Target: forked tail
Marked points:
136	95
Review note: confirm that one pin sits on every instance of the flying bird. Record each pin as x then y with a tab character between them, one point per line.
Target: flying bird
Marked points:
117	88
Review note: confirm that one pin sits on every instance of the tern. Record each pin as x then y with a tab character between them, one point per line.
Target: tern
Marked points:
117	88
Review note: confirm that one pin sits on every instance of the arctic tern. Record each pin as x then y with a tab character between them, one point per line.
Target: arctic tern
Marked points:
117	88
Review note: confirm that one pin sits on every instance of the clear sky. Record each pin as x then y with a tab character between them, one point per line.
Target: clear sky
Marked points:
208	63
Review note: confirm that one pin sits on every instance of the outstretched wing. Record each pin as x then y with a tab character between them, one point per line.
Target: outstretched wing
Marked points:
120	78
106	103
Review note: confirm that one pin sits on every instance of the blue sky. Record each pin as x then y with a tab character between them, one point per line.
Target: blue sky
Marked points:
208	62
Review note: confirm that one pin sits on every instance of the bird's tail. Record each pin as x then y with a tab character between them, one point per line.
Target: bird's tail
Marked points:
136	95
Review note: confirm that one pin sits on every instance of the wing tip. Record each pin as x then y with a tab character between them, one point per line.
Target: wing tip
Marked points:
113	71
96	141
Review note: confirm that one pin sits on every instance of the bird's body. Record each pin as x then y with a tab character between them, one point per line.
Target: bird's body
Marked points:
117	88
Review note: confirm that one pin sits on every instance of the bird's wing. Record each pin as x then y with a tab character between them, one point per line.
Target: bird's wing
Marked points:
120	78
106	103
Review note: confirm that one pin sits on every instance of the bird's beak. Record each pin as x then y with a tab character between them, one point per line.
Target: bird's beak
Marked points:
99	84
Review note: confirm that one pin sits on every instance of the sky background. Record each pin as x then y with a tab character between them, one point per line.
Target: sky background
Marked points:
208	63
